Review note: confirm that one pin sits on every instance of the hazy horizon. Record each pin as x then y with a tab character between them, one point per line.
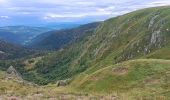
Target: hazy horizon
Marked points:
42	12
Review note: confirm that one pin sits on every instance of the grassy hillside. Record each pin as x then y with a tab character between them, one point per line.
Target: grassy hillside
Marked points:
126	57
140	34
134	35
143	78
52	67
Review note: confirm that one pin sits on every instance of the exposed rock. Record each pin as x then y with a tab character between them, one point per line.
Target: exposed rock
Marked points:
156	37
11	70
11	73
63	82
152	21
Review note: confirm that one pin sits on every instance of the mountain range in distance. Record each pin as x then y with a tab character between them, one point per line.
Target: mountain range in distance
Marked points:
59	38
22	35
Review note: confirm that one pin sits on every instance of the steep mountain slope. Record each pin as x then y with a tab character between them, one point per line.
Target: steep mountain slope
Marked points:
140	34
126	56
61	38
20	34
130	36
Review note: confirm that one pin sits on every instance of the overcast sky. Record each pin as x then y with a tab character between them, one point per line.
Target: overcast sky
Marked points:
13	12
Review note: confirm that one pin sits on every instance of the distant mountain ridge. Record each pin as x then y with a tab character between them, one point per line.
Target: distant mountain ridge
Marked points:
20	34
60	26
23	35
57	39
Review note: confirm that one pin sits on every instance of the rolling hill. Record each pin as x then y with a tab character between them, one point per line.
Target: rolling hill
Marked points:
130	80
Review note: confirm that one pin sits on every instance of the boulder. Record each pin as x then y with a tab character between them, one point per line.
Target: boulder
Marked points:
11	73
63	82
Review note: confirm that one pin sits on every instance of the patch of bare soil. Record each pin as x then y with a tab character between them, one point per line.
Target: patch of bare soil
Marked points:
95	78
120	70
151	81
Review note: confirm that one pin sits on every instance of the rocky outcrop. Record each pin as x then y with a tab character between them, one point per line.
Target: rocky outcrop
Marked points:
156	37
151	23
63	82
11	73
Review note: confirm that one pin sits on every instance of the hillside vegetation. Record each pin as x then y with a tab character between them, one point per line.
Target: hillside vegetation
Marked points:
139	34
142	78
126	56
145	79
12	51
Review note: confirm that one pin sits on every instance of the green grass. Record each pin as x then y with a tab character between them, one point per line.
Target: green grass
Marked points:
111	60
160	54
116	40
135	79
144	77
